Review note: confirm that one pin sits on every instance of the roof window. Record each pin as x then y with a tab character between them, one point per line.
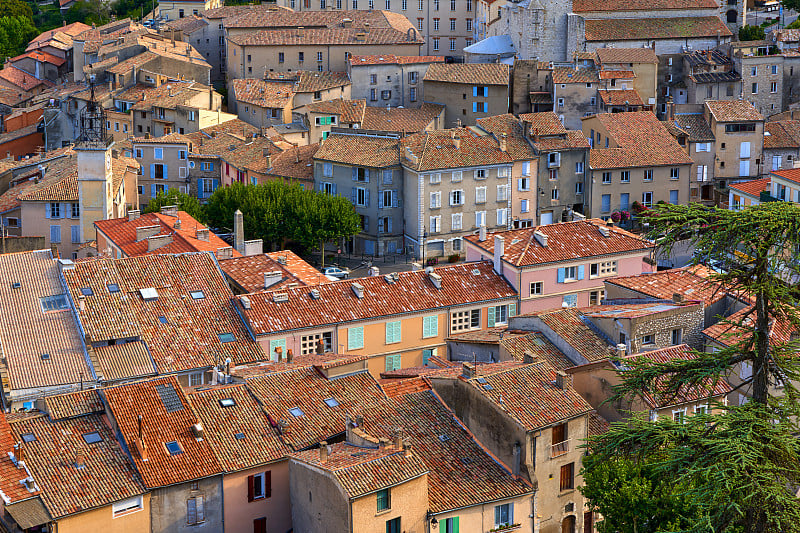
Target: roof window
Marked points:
45	357
87	291
54	303
444	438
239	436
296	411
149	293
174	448
16	285
227	402
331	402
112	288
162	319
488	387
226	337
197	295
28	437
92	437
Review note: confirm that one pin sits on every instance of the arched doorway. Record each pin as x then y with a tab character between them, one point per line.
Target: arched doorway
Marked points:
568	524
731	16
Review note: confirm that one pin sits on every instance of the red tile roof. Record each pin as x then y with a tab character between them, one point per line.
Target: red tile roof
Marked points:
468	73
627	55
462	472
412	292
361	471
167	416
733	329
394	387
537	345
582	6
21	79
575	75
181	332
241	435
391	59
617	29
247	273
11	474
626	97
733	110
436	150
566	241
782	134
359	150
616	74
691	282
597	424
122	233
74	404
755	187
106	474
123	361
296	163
306	81
791	174
570	325
306	388
269	94
516	142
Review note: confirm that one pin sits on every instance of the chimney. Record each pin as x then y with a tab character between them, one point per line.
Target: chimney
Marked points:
203	234
436	279
604	231
169	210
323	451
621	350
540	237
238	231
677	297
503	141
158	241
366	27
358	290
499	252
144	232
19	453
482	233
271	278
82	303
528	357
80	460
320	346
147	135
177	223
140	445
468	370
397	434
415	267
563	380
409	449
347	23
457	142
245	302
133	214
289	355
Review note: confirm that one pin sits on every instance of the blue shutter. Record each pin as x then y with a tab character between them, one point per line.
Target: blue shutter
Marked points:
389	230
380	200
355	173
353	195
624	201
55	234
395	203
673	197
199	187
366	174
333	189
512	310
366	197
46	210
474	91
511	513
211	166
605	203
153	191
580	272
366	226
561	275
497	514
166	171
213	185
152	171
426	356
75	233
491	317
474	107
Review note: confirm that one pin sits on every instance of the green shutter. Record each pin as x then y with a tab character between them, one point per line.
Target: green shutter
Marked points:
355	338
393	332
491	317
455	524
430	326
512	310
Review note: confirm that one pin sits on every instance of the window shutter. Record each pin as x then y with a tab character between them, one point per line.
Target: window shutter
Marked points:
191	511
474	91
491	317
497	514
260	525
561	275
166	171
389	362
152	171
334	189
55	234
454	524
250	488
380	200
389	221
512	310
355	173
201	514
46	210
75	233
321	186
394	199
153	190
200	187
511	513
474	107
353	194
366	174
580	272
366	197
267	484
366	223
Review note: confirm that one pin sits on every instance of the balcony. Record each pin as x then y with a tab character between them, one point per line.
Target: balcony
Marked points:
559	449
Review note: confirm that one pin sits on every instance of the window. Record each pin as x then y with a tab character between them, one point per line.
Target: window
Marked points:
504	514
579	167
452	24
606	178
259	486
677	336
129	505
412	94
456	221
679	416
480	218
436	178
195	513
754	71
436	224
393	362
436	43
420	23
360	196
498	315
465	320
393	332
451	525
738	128
457	197
393	525
773	88
355	338
553	174
435	24
319	56
456	176
308	343
383	500
158	153
536	288
430	326
606	268
674	173
174	448
605	203
469	24
436	200
53	303
502	193
647	199
554	194
567	478
480	174
595	297
579	187
453	47
502	217
673	196
524	184
754	88
648	339
55	234
54	210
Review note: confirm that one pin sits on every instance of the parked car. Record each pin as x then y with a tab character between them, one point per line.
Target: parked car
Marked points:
336	272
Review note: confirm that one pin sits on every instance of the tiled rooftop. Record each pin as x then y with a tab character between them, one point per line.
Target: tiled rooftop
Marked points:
21	79
361	471
621	98
306	81
237	428
269	94
733	110
29	333
74	404
436	150
635	310
733	330
359	150
753	187
582	6
469	73
516	142
412	292
618	29
296	163
782	134
122	233
791	174
691	282
11	475
75	475
537	345
391	59
570	325
179	305
566	241
167	417
247	273
695	125
574	75
627	55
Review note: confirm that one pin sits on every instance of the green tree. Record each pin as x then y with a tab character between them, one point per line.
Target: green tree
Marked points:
737	466
88	12
187	203
751	33
15	33
16	8
794	25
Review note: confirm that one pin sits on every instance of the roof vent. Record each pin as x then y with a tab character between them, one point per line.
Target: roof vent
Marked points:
389	278
476	272
436	279
197	430
281	259
358	290
245	302
148	293
604	231
315	294
540	237
280	297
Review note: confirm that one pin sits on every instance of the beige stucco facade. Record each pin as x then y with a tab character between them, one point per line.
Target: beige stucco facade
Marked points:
461	106
175	9
240	513
103	519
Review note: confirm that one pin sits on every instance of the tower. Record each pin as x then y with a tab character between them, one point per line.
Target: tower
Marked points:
95	176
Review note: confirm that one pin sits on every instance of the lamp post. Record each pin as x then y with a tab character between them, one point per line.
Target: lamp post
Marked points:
424	238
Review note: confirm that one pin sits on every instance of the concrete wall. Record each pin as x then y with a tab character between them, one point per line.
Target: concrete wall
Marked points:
239	513
319	503
169	507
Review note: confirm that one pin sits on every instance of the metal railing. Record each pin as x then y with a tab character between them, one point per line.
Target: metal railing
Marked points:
558	449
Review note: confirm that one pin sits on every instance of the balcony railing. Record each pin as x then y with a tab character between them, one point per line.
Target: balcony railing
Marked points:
560	448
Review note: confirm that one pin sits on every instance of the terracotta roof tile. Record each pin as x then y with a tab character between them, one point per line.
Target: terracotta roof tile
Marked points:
337	303
233	11
469	73
730	332
189	324
566	241
247	273
782	134
632	309
792	174
260	93
347	110
43	57
575	75
11	474
306	388
360	150
122	233
582	6
624	97
627	55
361	471
576	331
325	37
642	141
691	282
240	434
167	416
733	110
436	150
754	187
617	29
28	333
462	473
10	199
60	183
401	119
616	74
539	347
74	404
696	126
106	474
188	25
311	81
123	361
394	387
391	59
21	79
516	142
296	163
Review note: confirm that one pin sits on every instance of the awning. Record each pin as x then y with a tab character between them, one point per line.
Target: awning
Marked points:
29	513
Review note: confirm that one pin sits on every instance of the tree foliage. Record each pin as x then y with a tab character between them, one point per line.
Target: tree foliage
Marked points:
16	8
133	9
738	466
751	33
15	33
187	203
279	213
88	12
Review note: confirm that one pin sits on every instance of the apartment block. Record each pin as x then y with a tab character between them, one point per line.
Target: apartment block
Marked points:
389	79
468	91
738	128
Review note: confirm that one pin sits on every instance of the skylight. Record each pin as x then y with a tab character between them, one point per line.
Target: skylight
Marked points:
45	357
54	303
149	293
488	387
227	402
331	402
28	437
481	380
296	411
174	448
92	438
16	285
113	287
444	438
226	337
87	291
162	319
239	436
197	295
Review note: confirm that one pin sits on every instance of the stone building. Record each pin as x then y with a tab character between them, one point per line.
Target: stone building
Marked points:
468	91
389	79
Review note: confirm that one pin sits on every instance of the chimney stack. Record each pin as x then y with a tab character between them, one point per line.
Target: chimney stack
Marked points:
540	237
563	380
482	233
80	460
398	438
289	356
622	349
457	142
677	297
468	370
503	141
133	214
272	278
203	234
238	231
499	252
323	451
279	354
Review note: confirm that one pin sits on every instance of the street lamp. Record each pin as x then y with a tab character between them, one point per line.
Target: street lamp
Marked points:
424	237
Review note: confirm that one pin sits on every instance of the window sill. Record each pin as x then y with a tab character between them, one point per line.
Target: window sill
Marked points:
385	511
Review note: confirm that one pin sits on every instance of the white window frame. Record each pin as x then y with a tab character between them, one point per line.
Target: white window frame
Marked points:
127	506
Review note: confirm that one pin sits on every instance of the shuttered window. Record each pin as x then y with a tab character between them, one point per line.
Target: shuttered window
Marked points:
393	332
430	326
355	338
